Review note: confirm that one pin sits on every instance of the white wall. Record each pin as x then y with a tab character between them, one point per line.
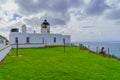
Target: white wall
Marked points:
34	38
4	51
28	45
67	39
13	35
47	39
44	31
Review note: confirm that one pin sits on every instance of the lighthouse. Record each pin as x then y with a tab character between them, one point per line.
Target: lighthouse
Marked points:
30	40
45	27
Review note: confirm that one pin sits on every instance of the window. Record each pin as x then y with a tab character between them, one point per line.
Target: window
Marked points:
27	39
15	30
43	40
54	39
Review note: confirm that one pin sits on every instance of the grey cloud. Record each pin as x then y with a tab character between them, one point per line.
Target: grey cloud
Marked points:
118	22
33	22
4	29
96	7
30	7
57	19
0	18
114	14
88	26
3	1
76	13
56	11
53	20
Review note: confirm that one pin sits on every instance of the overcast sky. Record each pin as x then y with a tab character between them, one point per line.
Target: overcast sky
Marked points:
84	20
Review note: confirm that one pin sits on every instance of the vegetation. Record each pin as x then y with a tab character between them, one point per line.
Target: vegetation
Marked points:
51	63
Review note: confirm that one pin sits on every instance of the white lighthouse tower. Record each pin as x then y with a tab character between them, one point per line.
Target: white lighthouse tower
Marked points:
24	29
45	27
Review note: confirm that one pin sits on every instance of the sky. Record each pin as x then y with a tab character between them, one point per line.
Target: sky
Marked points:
84	20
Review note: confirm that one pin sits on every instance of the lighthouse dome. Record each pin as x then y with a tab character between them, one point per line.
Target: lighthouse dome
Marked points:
45	22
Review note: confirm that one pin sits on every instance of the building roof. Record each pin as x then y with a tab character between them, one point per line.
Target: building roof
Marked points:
45	22
4	38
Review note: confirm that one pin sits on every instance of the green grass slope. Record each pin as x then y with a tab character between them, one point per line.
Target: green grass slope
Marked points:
53	64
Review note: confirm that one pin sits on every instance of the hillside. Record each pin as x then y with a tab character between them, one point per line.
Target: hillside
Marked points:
53	64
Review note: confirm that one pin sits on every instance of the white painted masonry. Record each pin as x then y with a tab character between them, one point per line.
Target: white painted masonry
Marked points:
45	38
4	51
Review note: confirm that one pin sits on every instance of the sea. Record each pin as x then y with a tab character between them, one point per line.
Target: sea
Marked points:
114	46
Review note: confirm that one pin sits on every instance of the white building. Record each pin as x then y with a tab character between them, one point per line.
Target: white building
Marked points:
45	38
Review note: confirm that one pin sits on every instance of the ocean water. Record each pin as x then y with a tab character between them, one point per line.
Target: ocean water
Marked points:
114	46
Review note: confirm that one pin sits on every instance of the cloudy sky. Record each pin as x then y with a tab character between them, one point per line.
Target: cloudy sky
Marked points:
84	20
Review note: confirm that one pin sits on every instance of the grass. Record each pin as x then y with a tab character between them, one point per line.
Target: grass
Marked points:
52	63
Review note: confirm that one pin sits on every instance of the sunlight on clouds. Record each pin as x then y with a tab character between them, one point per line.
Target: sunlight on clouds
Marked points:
87	1
35	1
9	6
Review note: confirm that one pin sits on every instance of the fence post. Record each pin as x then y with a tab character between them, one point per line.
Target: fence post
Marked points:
64	44
16	48
79	46
108	52
97	50
89	48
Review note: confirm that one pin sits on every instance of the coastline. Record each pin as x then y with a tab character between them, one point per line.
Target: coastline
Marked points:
114	46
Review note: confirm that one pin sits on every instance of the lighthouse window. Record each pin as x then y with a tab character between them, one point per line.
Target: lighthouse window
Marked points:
27	39
43	40
15	30
54	39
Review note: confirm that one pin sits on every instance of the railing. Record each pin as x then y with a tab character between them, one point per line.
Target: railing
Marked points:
4	51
